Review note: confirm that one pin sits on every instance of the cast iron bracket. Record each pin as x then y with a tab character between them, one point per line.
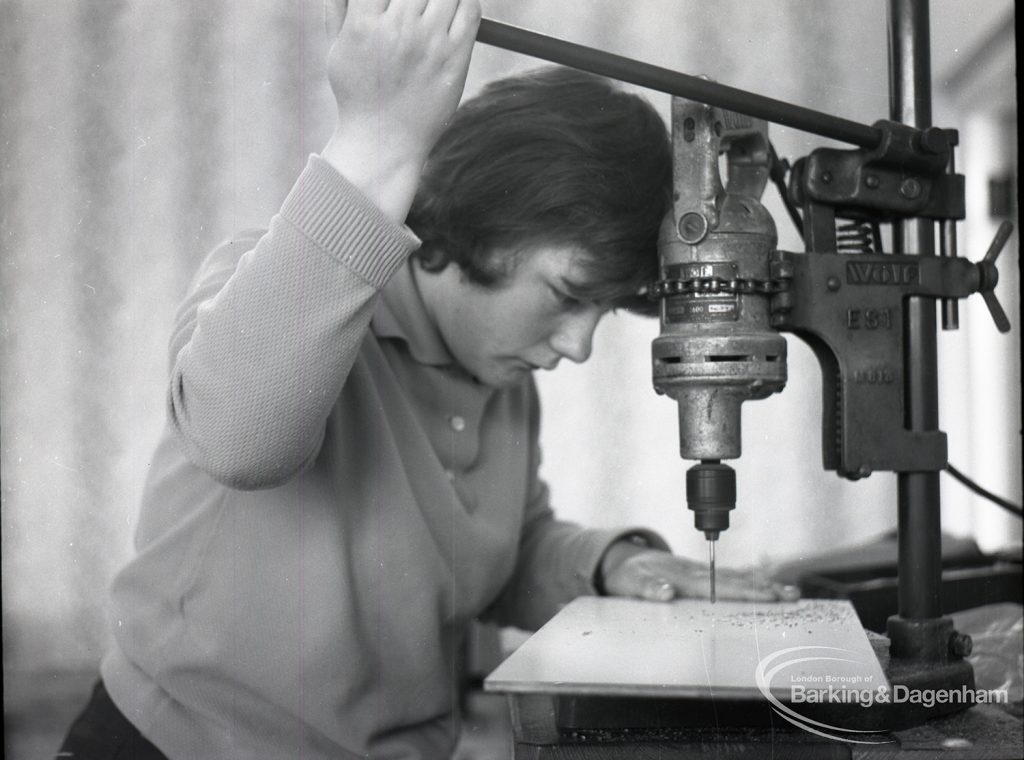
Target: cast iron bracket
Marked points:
850	309
904	176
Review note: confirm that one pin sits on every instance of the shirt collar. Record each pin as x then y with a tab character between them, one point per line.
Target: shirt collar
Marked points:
402	314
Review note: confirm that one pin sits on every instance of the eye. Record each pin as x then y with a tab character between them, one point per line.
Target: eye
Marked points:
565	300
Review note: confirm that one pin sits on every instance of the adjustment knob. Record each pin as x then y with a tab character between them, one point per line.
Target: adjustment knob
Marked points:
989	276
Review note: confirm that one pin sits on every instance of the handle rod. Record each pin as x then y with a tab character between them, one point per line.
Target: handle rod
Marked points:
657	78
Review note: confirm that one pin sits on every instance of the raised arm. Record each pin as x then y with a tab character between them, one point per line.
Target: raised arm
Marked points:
269	332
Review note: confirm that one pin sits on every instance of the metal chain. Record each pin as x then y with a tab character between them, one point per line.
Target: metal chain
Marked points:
712	285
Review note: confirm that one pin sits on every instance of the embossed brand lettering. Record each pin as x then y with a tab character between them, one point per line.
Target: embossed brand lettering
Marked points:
877	273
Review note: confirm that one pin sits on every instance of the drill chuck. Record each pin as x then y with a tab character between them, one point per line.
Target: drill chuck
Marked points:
711	494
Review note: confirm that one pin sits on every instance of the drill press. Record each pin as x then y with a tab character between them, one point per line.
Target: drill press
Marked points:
867	314
725	292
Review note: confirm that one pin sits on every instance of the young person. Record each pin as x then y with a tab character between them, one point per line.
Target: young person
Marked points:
349	471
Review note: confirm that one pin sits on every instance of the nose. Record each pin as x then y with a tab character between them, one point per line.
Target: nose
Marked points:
574	336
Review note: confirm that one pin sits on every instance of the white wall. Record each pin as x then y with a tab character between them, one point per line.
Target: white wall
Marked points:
981	403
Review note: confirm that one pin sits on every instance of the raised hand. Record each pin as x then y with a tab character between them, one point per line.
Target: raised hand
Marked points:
397	70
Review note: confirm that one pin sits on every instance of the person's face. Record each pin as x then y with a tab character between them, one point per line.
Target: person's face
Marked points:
531	321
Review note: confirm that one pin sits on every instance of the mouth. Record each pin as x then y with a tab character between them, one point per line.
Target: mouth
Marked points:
549	366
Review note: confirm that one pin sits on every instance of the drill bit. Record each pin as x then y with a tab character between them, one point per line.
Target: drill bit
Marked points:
711	564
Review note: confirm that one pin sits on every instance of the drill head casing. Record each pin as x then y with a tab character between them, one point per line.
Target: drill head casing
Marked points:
717	347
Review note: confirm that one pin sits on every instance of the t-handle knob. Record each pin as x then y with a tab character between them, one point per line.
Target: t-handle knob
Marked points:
989	276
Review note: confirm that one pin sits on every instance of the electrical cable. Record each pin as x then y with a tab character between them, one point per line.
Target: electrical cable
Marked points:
777	171
1009	506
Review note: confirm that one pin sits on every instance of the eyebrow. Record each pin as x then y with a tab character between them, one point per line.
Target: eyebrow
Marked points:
589	293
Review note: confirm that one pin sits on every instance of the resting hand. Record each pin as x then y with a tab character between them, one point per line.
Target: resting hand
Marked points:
629	570
397	70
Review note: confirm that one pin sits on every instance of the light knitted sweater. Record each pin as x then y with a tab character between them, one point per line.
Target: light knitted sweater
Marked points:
331	502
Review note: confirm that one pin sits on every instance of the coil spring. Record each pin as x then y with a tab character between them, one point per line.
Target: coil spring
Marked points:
855	237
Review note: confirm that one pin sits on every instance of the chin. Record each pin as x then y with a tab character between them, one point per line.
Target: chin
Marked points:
504	378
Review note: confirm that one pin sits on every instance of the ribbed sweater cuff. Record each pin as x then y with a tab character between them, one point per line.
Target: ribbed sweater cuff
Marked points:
336	216
602	542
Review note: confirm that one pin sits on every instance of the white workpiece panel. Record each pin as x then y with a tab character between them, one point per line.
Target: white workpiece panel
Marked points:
692	648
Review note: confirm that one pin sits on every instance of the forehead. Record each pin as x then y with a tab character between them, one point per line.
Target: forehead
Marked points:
579	272
558	262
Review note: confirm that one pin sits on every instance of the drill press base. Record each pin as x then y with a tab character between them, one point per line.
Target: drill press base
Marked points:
610	678
984	732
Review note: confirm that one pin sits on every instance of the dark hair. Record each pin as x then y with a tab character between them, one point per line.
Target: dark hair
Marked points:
552	156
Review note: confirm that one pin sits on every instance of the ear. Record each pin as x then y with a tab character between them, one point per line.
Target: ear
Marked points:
334	15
